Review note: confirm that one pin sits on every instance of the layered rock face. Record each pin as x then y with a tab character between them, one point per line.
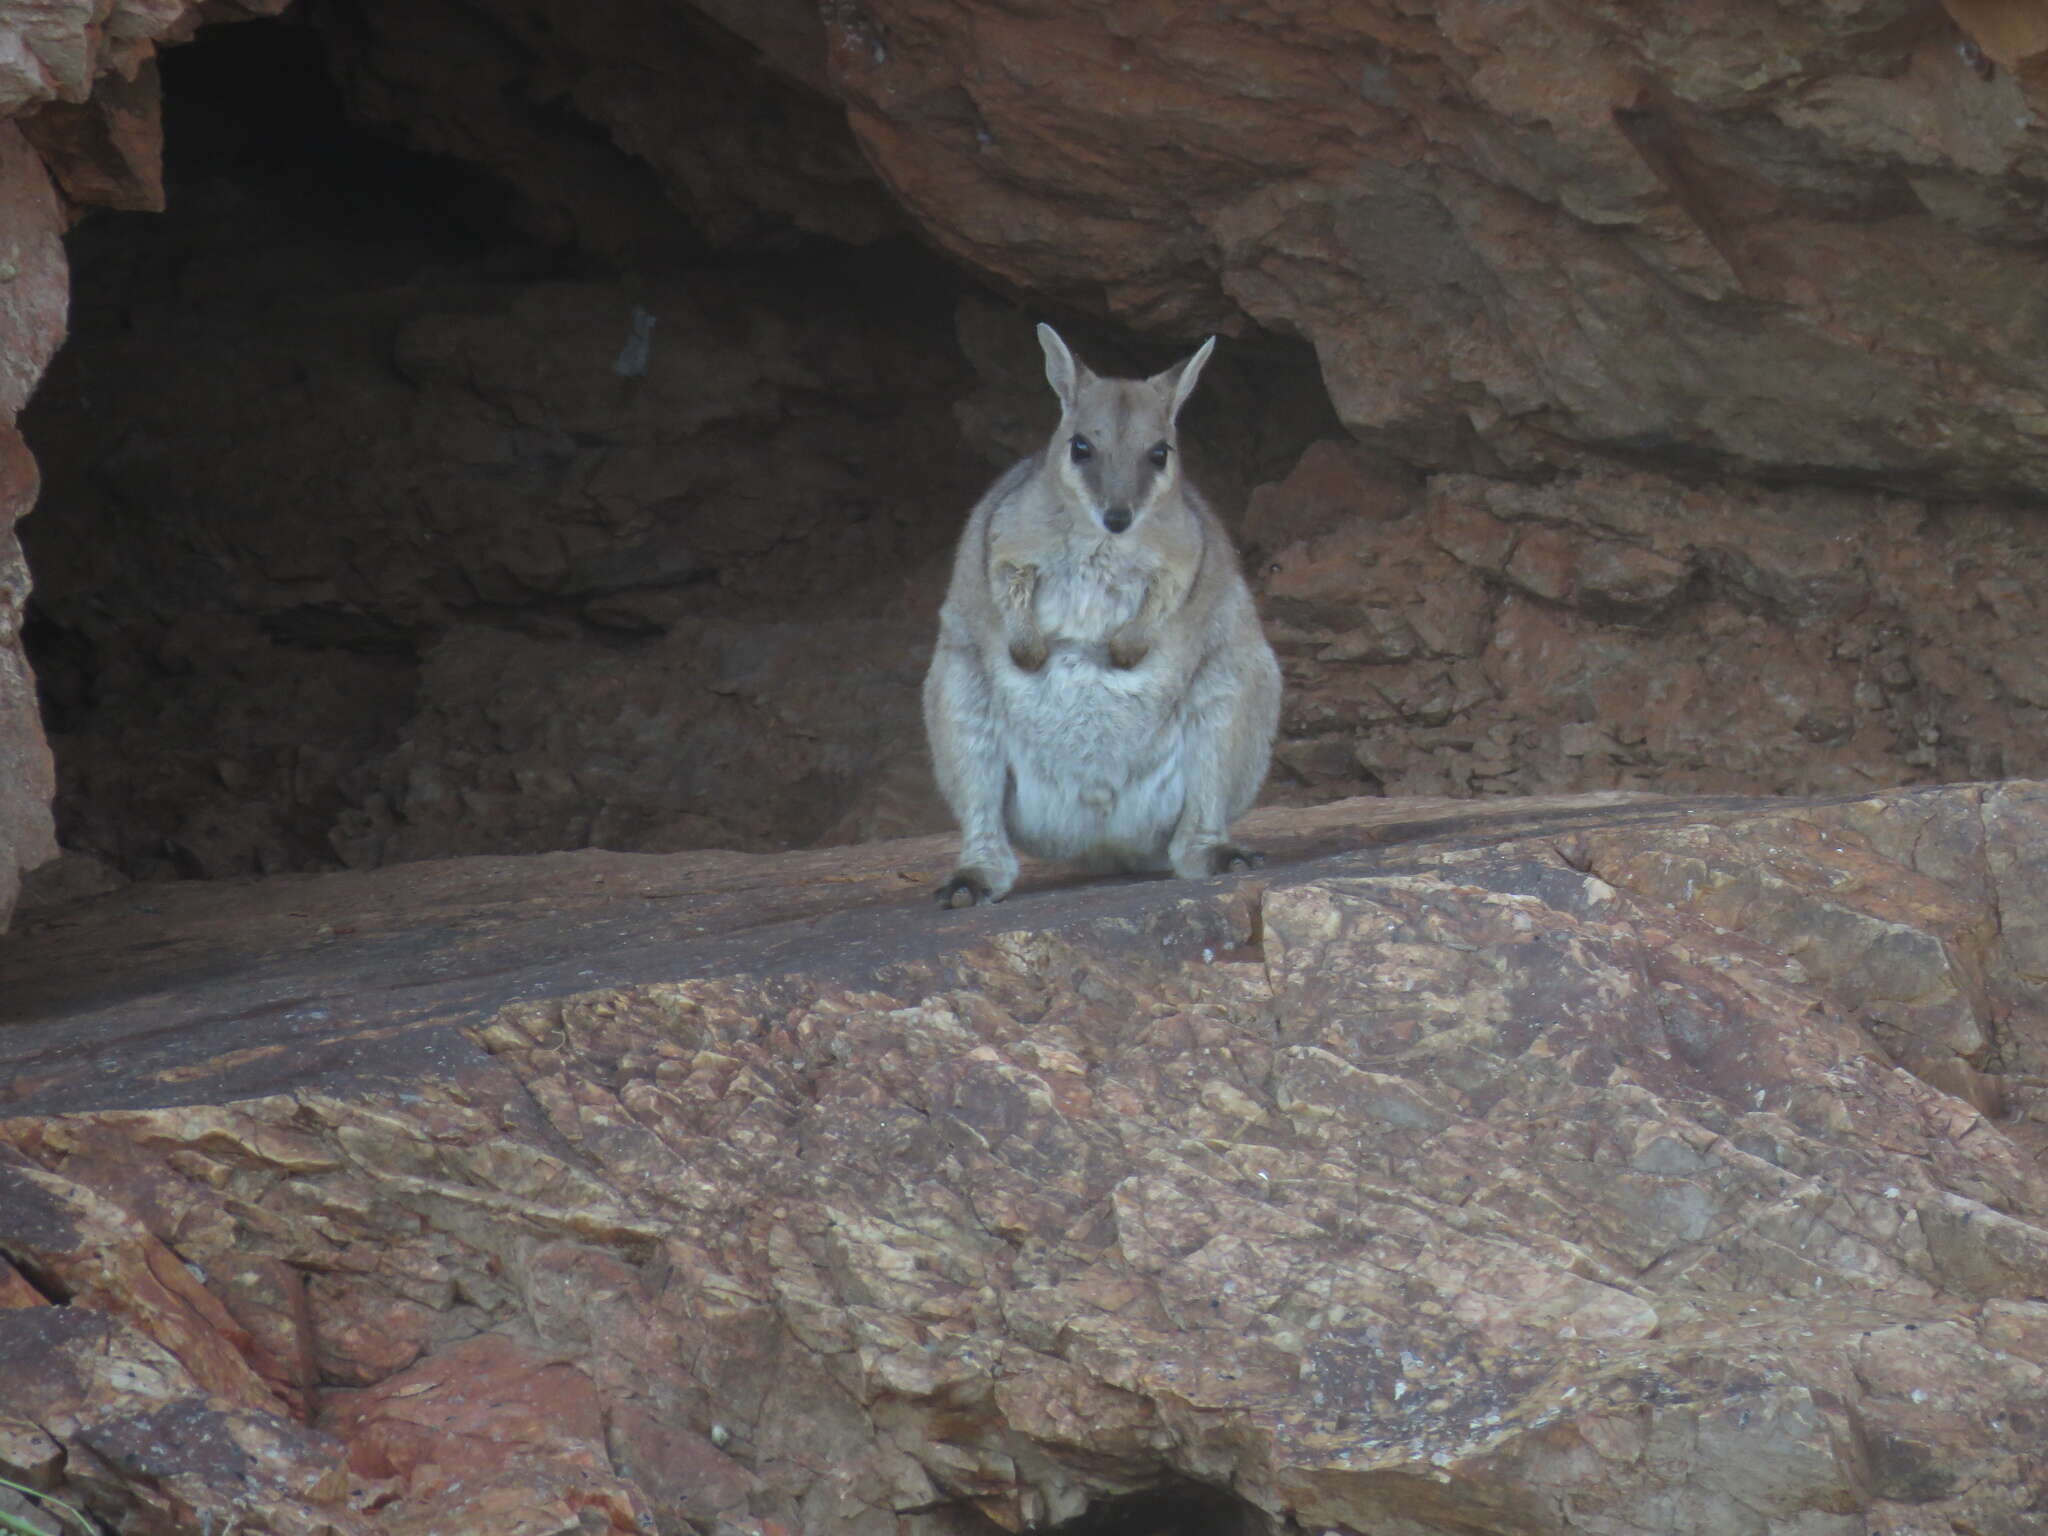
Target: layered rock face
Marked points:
1549	1168
1794	240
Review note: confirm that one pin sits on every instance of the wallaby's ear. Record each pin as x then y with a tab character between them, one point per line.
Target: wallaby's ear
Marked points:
1060	370
1183	378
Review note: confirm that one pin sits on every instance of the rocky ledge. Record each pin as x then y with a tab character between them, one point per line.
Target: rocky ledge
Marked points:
1609	1164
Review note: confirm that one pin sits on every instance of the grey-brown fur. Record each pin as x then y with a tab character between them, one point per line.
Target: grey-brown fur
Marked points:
1101	689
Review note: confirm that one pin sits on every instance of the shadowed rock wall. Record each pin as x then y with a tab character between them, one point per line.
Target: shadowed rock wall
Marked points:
1670	381
383	525
1797	240
1613	628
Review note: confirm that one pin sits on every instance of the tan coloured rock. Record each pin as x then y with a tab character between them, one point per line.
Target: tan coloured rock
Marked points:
1548	1166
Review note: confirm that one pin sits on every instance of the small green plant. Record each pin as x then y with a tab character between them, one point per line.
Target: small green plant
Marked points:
17	1527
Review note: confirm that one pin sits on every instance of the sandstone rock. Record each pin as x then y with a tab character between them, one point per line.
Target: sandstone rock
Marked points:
34	284
1545	1166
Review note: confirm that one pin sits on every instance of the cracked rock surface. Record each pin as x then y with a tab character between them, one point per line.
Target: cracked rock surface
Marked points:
1612	1164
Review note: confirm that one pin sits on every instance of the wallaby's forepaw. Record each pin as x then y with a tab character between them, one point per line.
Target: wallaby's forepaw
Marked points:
1126	652
1028	653
1229	858
968	887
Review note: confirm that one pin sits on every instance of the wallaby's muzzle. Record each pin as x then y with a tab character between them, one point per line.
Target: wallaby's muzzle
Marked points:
1117	519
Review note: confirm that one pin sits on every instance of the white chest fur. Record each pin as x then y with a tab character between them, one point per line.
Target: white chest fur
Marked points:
1094	749
1087	598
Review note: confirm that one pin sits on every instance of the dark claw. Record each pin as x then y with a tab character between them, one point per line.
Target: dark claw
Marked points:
1227	858
1028	658
965	882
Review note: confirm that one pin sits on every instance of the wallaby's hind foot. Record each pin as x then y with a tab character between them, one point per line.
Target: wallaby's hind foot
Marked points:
977	886
1217	859
1229	858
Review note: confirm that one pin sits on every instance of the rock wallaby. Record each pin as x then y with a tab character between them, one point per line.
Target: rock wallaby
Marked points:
1101	690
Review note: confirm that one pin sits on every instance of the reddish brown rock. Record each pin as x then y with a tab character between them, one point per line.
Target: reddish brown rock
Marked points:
508	598
1622	629
107	151
140	1400
16	1291
490	1434
1583	1157
33	287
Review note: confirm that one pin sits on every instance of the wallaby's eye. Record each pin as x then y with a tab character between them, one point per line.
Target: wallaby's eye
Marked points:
1082	449
1158	454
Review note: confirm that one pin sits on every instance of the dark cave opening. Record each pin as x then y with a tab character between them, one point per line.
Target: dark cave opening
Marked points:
402	504
1187	1509
256	129
397	506
342	557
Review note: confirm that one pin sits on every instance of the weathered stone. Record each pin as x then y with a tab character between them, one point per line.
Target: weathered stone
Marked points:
1617	1164
1538	1168
145	1445
482	603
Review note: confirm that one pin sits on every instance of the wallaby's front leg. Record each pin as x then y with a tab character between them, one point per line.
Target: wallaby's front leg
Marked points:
1132	641
973	775
1016	594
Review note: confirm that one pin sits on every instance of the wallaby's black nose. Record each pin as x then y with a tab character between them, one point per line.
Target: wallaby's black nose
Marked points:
1117	519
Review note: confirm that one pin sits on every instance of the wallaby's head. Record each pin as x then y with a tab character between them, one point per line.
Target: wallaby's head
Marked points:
1116	450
